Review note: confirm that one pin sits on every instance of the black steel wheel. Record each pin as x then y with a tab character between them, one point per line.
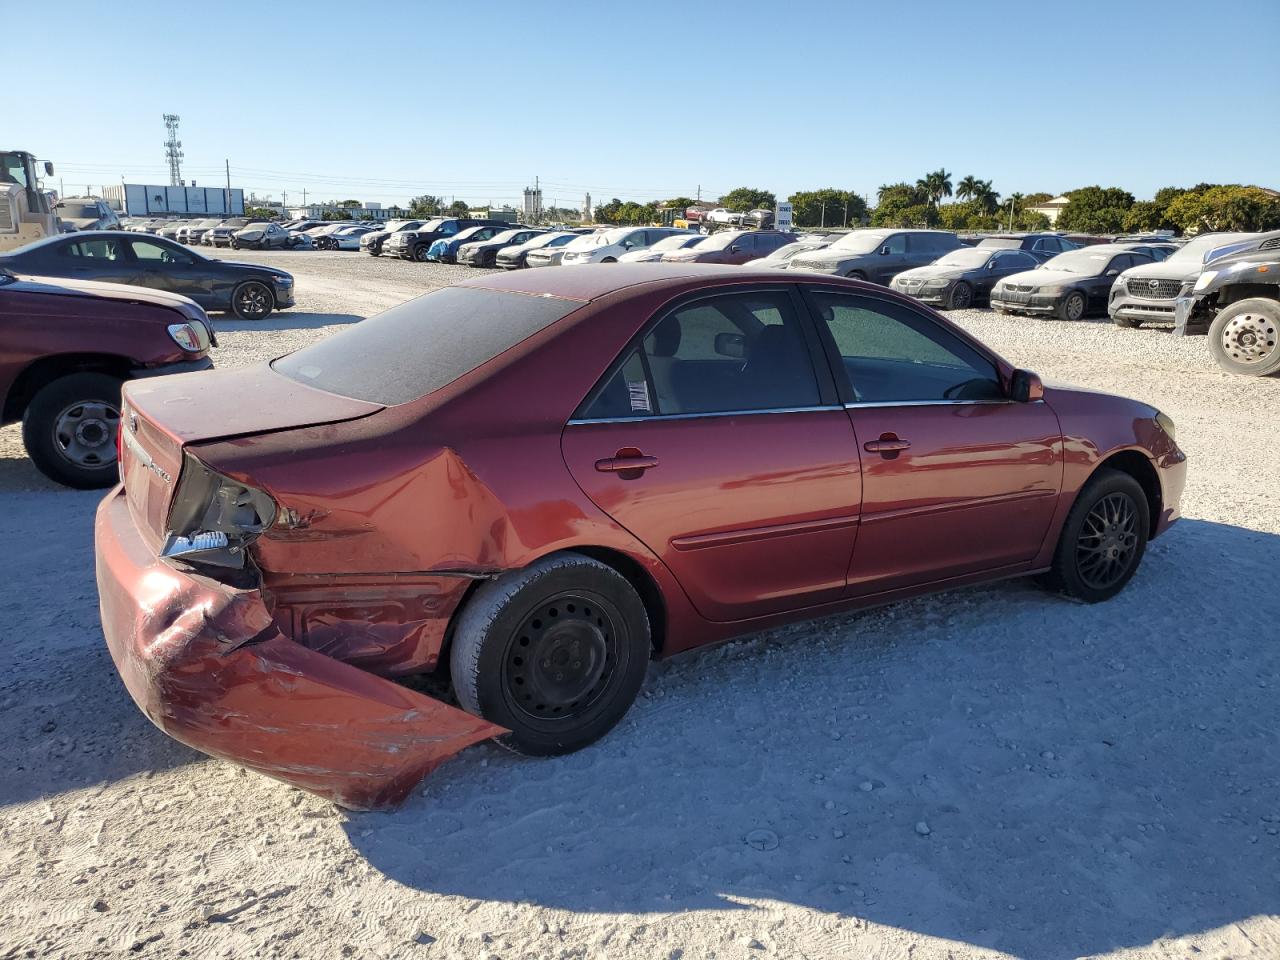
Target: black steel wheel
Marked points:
69	430
555	653
420	253
1103	539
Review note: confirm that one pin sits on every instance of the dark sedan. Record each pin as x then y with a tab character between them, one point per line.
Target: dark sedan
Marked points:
1070	285
963	277
484	253
249	290
513	258
1042	246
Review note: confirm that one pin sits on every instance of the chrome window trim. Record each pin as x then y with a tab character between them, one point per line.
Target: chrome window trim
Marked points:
934	403
579	421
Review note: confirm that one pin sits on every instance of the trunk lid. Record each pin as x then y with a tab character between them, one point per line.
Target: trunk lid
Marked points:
163	415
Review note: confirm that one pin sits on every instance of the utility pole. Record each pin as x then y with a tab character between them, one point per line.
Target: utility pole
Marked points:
845	221
226	199
284	202
304	196
699	193
824	214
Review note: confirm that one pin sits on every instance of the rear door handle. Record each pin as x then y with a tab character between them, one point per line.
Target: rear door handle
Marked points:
623	464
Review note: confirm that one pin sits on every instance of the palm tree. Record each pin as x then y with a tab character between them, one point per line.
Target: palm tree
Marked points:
987	198
968	187
936	185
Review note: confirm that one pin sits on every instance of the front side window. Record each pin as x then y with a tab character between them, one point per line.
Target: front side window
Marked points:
147	252
102	249
719	355
892	354
896	244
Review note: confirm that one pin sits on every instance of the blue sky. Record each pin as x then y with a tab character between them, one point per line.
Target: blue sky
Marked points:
648	99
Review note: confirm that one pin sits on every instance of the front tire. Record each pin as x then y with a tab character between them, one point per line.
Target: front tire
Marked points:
420	253
1073	307
961	297
1245	337
1103	539
69	430
252	300
556	653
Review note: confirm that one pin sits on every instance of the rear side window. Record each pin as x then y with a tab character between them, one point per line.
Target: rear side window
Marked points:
420	346
93	249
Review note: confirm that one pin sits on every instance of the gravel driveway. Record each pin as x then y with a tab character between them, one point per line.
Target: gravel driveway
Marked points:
989	772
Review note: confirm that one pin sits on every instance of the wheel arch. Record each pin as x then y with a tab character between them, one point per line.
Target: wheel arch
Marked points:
44	371
1139	466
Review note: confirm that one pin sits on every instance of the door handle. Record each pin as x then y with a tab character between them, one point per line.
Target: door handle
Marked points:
629	460
887	444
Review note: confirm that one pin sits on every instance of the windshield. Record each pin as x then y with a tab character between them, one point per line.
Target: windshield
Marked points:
1087	261
467	233
422	345
12	170
595	239
235	222
966	257
1197	250
70	210
859	242
720	241
431	225
506	235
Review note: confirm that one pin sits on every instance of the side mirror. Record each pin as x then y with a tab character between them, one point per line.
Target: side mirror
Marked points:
735	249
48	169
884	251
1026	387
1113	273
732	345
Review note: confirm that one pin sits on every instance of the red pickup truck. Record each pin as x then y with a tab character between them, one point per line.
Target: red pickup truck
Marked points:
66	346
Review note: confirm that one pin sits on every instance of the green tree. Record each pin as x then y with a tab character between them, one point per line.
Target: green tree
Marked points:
827	207
678	203
1035	199
1095	210
459	208
260	213
425	206
609	212
336	215
748	198
1225	207
898	203
935	185
349	203
967	188
985	196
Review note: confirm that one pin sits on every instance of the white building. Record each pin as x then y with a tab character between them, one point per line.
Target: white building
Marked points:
370	211
1051	208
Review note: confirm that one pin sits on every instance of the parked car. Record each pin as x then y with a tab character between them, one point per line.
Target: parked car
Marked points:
484	253
700	452
1239	294
416	244
654	252
220	236
371	243
781	258
550	255
1042	246
963	277
878	255
86	213
513	258
193	231
310	238
608	245
722	215
170	230
445	250
65	348
1149	292
731	246
345	237
249	290
263	236
1070	286
758	219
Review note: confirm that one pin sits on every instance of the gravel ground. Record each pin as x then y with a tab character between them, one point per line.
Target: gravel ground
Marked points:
990	772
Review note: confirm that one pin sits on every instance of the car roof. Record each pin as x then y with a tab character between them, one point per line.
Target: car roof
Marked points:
588	283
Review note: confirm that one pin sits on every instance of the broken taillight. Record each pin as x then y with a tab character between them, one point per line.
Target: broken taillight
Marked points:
213	518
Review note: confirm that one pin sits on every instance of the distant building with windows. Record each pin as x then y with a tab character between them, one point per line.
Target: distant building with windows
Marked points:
370	211
1051	208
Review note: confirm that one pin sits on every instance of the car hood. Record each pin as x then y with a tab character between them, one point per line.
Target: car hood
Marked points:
930	272
1166	270
827	255
256	267
104	291
1046	278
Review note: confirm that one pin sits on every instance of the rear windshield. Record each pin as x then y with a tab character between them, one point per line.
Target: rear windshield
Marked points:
422	345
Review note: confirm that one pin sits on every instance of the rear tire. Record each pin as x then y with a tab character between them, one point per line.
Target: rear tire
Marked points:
1102	540
556	653
69	430
1245	337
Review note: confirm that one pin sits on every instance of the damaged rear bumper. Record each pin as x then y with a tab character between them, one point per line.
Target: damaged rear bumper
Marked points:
206	662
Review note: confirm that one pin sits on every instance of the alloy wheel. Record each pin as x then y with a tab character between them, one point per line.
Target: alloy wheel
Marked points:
1249	338
1107	542
85	433
562	658
252	301
1074	306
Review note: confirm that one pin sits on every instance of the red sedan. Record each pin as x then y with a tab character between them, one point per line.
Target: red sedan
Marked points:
534	483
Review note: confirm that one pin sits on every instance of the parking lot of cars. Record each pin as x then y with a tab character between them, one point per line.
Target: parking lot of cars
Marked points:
1157	727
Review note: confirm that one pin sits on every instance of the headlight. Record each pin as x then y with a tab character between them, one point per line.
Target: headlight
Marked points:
1166	424
284	281
936	284
1205	279
191	336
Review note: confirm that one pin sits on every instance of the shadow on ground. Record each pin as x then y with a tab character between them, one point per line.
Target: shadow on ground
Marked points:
993	766
281	320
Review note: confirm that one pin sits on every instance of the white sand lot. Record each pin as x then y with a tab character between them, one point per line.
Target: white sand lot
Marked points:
990	772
